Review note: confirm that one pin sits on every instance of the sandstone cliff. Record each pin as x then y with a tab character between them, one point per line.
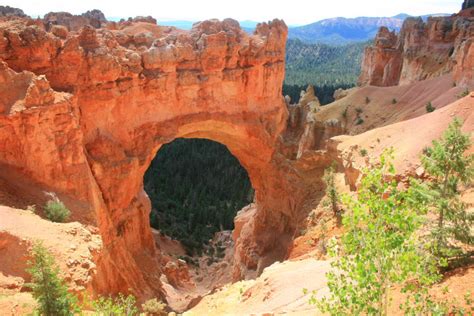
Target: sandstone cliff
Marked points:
421	51
84	112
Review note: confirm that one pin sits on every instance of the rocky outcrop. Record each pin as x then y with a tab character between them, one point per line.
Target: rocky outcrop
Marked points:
305	133
85	112
342	93
421	51
382	62
9	11
146	19
94	18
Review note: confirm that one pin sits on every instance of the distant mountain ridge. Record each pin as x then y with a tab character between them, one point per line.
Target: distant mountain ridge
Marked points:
341	31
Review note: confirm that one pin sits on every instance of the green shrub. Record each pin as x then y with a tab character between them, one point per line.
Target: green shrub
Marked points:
359	121
423	303
56	211
154	307
429	107
367	100
359	110
344	113
379	249
119	306
48	288
463	94
394	101
363	152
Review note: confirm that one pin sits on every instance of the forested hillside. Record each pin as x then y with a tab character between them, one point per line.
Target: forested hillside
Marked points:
322	64
196	187
325	67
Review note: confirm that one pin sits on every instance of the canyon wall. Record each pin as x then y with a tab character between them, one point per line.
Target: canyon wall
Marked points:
84	111
422	50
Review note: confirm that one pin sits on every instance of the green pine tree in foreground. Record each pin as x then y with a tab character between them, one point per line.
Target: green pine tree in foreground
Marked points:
49	290
449	167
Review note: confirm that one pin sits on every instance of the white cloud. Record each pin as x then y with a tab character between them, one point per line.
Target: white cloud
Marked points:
293	11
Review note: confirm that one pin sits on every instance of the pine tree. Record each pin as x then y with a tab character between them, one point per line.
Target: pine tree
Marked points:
48	288
331	191
449	167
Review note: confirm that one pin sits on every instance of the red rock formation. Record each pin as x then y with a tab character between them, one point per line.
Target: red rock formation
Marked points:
128	90
382	62
422	50
95	18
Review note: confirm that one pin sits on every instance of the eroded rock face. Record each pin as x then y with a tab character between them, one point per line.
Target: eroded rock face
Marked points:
86	111
9	11
382	62
421	51
94	18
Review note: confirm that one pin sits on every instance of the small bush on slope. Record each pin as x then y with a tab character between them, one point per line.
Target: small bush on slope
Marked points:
56	211
331	191
154	307
48	288
429	107
119	306
463	94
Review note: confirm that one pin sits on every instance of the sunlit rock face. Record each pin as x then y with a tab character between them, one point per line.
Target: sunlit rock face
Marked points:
84	111
421	51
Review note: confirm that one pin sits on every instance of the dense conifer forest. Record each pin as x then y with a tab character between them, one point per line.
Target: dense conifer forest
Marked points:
322	64
196	187
325	67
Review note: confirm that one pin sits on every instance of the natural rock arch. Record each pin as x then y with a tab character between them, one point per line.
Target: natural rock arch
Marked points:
127	89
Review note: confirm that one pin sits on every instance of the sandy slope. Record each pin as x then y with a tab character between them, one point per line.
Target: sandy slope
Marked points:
73	246
408	137
278	290
410	100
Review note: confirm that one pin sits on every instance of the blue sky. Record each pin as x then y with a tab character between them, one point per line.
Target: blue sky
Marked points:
292	11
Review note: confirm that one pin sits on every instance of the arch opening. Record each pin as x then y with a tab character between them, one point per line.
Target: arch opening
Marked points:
196	187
